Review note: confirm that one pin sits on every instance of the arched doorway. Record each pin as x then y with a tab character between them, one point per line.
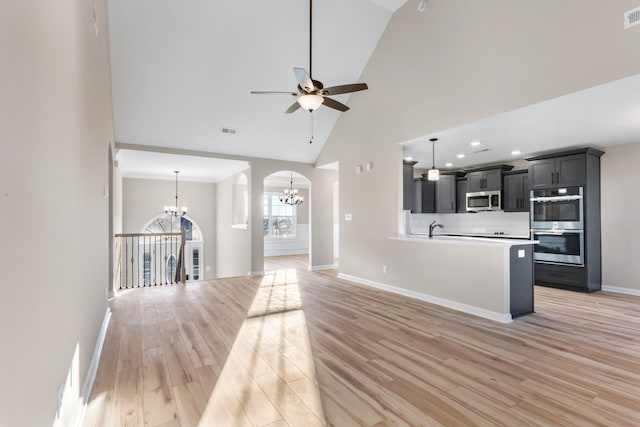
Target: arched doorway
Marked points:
285	227
194	245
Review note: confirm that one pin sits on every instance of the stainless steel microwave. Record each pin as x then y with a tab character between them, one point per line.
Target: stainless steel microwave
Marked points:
483	201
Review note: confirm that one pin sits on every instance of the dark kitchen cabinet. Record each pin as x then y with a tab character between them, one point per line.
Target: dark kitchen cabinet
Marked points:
565	171
485	180
516	191
446	194
407	184
461	195
423	196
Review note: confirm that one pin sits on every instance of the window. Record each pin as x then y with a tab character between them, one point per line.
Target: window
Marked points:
279	218
167	224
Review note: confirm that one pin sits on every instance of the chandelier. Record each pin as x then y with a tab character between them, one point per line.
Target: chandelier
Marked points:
290	196
175	210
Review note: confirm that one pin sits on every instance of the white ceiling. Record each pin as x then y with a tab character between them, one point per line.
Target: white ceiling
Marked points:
150	165
183	70
602	116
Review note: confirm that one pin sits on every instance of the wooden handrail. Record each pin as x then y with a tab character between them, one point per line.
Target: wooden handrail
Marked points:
148	234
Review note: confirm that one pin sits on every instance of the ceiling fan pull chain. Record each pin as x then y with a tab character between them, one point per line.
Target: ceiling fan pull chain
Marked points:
311	126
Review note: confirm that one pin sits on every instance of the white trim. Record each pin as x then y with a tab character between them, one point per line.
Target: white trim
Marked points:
476	311
619	290
255	273
93	369
322	267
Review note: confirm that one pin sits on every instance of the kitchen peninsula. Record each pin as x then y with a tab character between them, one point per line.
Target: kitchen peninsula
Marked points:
487	277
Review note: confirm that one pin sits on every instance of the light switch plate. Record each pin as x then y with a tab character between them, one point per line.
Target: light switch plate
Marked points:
359	169
348	217
520	253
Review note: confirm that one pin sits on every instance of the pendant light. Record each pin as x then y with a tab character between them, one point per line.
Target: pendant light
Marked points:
433	174
290	196
175	210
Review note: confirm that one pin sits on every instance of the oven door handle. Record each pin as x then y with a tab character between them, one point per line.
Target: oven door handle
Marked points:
554	232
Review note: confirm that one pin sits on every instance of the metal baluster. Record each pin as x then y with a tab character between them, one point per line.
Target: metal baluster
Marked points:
126	263
120	264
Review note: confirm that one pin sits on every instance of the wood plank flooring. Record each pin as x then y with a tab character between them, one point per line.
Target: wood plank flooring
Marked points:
301	348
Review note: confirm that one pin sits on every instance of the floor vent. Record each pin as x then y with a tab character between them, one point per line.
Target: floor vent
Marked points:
229	131
632	18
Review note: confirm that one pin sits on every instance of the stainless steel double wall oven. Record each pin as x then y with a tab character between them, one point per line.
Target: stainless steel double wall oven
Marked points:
557	222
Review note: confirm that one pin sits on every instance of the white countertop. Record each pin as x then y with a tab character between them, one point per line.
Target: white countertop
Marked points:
464	240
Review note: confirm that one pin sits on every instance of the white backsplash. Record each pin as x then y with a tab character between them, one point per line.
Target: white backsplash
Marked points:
513	224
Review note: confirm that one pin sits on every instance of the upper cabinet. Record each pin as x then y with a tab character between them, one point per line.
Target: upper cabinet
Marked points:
560	169
516	191
487	179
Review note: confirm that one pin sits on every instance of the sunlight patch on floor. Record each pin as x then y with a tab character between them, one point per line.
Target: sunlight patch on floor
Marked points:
269	376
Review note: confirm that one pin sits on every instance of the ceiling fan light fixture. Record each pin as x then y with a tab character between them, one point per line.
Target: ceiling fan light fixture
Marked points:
310	102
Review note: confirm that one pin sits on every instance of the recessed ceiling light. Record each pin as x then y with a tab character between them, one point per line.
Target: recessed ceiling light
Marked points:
515	152
460	156
475	143
449	165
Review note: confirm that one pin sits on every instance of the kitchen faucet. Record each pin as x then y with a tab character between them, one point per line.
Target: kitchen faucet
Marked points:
432	226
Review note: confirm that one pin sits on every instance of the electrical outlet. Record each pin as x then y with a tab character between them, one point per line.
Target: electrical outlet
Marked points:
384	269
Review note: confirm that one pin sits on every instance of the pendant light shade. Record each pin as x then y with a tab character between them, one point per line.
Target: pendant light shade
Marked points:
433	174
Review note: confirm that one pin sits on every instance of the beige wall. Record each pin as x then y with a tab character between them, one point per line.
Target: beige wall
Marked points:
620	225
458	62
55	133
144	199
233	244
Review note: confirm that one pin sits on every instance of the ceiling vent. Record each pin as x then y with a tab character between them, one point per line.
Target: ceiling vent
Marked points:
481	151
229	131
632	18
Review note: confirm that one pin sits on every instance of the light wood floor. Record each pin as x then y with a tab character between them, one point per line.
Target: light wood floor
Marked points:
303	348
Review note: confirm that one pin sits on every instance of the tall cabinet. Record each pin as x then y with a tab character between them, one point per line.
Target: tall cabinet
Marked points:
575	168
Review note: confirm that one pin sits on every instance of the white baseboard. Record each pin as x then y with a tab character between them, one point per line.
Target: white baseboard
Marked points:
255	273
285	252
480	312
618	290
93	369
322	267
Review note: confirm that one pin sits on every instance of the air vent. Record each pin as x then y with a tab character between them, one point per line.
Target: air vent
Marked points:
481	151
229	131
632	18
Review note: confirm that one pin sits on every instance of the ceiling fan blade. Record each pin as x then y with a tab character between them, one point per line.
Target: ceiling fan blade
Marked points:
269	92
337	90
303	78
293	108
332	103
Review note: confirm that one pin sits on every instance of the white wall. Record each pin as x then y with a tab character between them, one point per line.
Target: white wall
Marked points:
459	62
233	253
145	198
55	133
620	226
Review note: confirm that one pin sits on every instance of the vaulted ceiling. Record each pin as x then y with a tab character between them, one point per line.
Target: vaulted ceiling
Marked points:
182	70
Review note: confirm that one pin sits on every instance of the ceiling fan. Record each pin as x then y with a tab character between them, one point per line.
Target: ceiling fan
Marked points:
312	93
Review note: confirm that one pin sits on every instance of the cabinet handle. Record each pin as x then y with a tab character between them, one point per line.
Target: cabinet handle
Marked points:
557	177
553	177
